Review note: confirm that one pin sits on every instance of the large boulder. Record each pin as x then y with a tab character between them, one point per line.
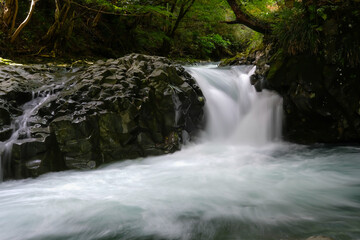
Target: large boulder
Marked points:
117	109
321	100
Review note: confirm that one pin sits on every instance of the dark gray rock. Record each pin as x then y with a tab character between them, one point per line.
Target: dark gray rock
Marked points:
117	109
321	101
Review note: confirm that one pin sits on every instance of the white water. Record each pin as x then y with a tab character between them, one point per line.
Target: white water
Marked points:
220	189
20	126
236	113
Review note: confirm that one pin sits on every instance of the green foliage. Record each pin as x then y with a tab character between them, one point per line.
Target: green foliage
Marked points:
296	34
210	42
202	34
130	7
149	40
4	61
325	29
146	26
347	39
262	9
255	42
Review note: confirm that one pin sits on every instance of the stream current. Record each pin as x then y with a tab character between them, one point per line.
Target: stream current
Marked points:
238	181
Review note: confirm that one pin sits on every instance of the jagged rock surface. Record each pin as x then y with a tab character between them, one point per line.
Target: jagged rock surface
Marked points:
123	108
321	101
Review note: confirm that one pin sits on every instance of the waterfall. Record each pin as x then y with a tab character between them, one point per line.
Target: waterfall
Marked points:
20	126
235	112
225	188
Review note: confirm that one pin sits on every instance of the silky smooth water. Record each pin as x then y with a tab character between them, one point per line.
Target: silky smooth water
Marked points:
235	112
217	189
20	127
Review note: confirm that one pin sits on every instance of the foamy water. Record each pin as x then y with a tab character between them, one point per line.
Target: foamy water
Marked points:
220	189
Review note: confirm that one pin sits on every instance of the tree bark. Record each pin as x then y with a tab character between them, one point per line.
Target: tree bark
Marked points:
183	11
170	33
96	19
242	17
25	22
61	30
14	17
7	12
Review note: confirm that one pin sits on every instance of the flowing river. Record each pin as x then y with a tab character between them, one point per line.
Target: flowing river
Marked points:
238	181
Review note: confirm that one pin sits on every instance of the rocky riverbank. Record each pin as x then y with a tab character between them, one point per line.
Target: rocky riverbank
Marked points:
321	99
85	116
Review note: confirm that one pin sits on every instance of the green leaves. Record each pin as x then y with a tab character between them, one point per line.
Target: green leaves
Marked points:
210	42
296	34
321	13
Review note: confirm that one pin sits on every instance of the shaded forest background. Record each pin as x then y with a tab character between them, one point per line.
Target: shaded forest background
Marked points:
184	28
189	29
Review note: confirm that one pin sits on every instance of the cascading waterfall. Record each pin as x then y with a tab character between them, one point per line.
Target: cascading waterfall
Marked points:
20	125
235	111
239	182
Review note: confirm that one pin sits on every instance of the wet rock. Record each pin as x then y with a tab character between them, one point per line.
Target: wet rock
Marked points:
5	133
33	157
28	148
321	101
33	164
123	108
5	118
143	99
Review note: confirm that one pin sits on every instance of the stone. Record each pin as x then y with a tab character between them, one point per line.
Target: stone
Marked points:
5	133
321	101
113	110
4	116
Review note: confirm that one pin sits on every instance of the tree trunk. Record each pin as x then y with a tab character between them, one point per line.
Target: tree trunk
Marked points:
170	33
242	17
183	11
62	28
7	14
14	17
25	22
97	18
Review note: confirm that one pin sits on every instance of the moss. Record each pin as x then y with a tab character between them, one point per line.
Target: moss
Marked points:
4	61
229	61
276	63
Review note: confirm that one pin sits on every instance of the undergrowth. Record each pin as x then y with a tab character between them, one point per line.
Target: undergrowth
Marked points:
328	31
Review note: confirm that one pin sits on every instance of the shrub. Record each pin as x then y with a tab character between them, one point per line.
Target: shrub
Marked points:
295	34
